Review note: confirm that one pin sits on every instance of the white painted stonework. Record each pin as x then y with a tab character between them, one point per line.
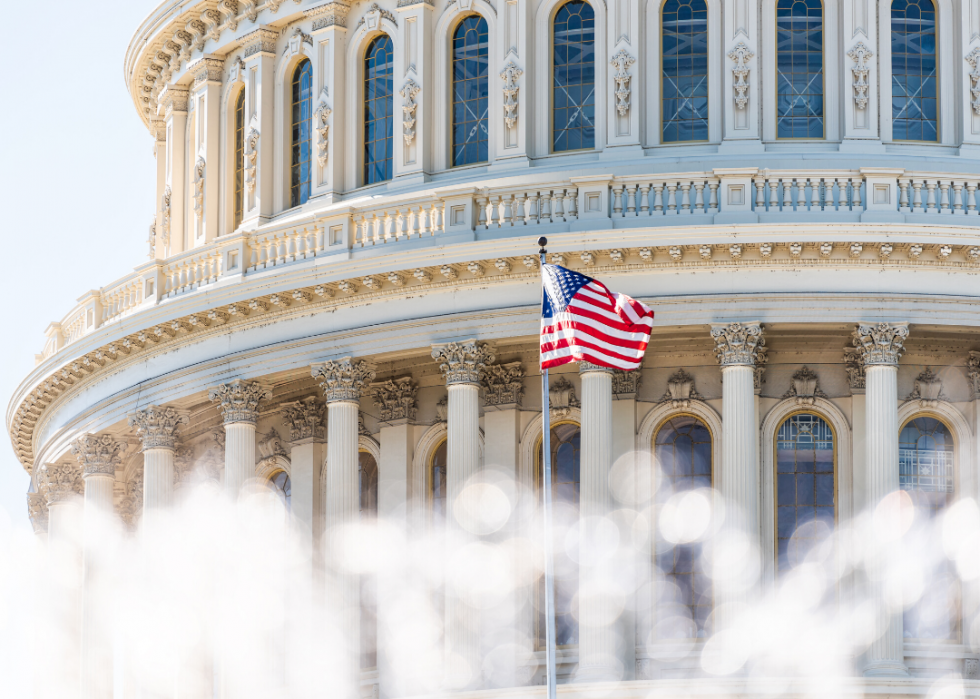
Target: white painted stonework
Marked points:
806	246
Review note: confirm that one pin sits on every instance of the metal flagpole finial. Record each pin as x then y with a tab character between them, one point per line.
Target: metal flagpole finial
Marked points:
542	241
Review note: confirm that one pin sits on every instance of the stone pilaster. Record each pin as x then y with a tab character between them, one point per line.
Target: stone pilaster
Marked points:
737	347
238	402
342	381
98	456
879	346
157	427
173	101
597	614
396	399
462	364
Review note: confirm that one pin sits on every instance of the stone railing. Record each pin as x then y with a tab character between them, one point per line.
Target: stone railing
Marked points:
457	214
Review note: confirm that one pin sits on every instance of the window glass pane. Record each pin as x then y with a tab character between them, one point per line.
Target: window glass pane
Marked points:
573	120
301	131
684	63
915	100
682	449
799	69
805	488
379	69
239	157
470	87
926	472
565	472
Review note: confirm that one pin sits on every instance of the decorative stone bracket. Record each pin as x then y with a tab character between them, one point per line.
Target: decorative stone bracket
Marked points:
680	390
741	55
860	55
622	62
928	389
510	75
561	398
804	387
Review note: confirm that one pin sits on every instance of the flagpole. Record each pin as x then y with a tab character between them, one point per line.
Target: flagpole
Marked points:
549	572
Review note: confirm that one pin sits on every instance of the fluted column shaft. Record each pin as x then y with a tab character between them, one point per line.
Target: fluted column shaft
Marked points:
880	346
597	615
737	348
96	636
462	364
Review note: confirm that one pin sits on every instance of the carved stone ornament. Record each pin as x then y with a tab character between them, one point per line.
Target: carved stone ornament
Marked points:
880	343
737	343
259	41
199	168
373	17
758	377
928	389
251	159
396	399
409	94
855	369
207	70
622	62
442	409
157	426
361	427
321	121
328	15
151	239
680	390
510	75
860	55
238	400
131	506
37	510
304	418
503	384
804	387
98	454
973	58
60	482
165	210
462	362
343	379
561	398
589	367
741	55
625	383
269	445
973	371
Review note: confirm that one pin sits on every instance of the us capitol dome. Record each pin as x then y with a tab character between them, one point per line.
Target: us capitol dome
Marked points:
341	306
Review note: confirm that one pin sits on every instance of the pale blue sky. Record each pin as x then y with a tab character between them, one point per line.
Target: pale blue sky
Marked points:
76	178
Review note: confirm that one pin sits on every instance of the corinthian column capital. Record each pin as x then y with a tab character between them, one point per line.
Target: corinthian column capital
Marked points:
737	344
59	482
37	510
462	362
157	426
343	379
238	400
304	418
880	344
98	454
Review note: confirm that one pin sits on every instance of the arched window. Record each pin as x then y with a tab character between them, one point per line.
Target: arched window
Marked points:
437	482
573	70
805	487
915	87
367	471
565	479
379	71
302	132
239	157
926	472
682	448
281	484
471	89
685	70
799	69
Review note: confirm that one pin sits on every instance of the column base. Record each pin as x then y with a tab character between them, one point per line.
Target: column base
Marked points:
886	668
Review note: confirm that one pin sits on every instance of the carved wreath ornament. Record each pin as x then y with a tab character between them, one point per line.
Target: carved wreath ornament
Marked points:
622	62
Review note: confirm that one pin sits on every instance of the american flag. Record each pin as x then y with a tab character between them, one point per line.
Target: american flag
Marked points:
581	320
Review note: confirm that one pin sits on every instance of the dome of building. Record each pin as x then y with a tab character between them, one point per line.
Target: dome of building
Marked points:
341	304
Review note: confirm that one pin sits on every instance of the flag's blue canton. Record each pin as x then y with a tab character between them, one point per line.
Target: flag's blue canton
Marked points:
560	286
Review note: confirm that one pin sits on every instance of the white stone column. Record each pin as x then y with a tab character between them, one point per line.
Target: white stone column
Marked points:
880	345
238	402
173	99
461	364
737	346
61	485
503	396
157	428
98	457
597	628
304	418
396	402
342	381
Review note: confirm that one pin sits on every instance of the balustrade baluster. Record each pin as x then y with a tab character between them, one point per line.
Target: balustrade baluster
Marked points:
944	198
645	199
713	196
903	195
558	211
617	200
814	193
787	183
958	198
658	197
760	193
545	203
520	210
533	212
917	204
670	199
571	204
699	205
631	200
773	183
685	202
932	200
971	197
